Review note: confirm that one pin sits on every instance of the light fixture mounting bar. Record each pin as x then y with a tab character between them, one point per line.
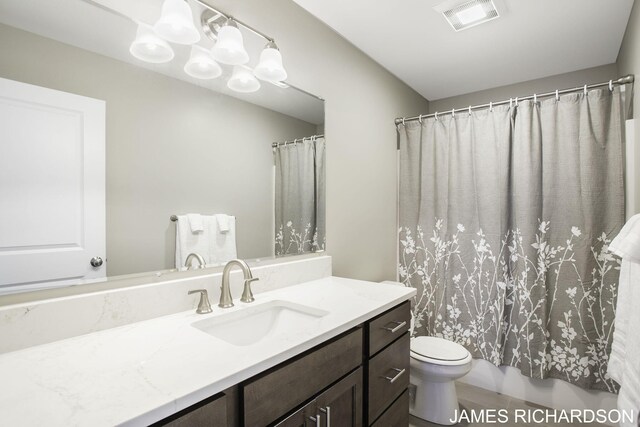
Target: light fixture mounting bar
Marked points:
248	27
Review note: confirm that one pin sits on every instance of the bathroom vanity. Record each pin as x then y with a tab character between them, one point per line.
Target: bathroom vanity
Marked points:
330	351
359	378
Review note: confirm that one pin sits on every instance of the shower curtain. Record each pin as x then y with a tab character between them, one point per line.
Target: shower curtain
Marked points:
505	219
300	197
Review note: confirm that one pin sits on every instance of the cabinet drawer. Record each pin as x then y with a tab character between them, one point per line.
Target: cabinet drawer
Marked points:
211	412
284	388
388	376
397	415
385	328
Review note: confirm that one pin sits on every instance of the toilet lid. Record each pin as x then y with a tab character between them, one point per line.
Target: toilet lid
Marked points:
438	349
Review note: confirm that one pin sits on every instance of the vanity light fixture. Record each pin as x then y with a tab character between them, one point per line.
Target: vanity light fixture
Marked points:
229	49
176	23
470	14
201	64
242	80
270	67
148	47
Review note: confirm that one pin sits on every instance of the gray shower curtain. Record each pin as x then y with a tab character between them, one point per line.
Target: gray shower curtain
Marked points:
505	219
300	197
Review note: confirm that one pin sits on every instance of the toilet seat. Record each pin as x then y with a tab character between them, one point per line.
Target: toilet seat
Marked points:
439	351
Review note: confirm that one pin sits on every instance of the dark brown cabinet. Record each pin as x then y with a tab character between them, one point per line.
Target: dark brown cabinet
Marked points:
340	405
357	379
211	412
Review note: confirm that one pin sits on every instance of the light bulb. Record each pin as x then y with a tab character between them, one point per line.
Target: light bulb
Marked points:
176	23
229	49
148	47
270	67
201	64
243	80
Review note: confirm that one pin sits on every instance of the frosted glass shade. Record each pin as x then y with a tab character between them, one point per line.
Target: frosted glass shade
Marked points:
243	80
201	64
270	67
148	47
229	49
176	23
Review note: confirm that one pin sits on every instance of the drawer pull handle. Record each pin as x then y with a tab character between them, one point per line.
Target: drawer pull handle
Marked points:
399	325
327	411
316	420
398	375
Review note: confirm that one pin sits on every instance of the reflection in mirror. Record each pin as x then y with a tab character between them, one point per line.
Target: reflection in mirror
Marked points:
100	149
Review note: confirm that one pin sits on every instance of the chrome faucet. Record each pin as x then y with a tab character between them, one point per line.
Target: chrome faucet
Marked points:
189	261
225	295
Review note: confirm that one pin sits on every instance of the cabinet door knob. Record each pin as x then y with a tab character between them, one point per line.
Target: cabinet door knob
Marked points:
394	378
96	261
327	411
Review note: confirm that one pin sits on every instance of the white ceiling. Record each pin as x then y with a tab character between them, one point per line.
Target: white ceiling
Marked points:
531	39
100	30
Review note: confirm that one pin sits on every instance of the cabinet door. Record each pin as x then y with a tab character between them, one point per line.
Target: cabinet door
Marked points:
303	417
341	405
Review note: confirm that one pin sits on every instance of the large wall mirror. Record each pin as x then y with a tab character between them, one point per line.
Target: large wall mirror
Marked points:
114	166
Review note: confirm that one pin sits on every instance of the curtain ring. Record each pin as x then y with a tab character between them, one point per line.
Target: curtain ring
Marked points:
516	101
585	90
436	115
557	95
453	112
469	109
490	106
510	102
420	118
403	121
535	98
611	85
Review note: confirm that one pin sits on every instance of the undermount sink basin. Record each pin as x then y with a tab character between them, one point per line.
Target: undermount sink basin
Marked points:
254	324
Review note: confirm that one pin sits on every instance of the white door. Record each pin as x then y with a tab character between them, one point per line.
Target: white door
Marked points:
52	187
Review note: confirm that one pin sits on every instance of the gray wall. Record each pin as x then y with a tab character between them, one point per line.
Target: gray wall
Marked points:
547	84
362	99
629	63
172	148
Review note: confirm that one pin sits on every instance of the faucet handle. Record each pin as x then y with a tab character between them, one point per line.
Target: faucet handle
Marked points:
204	306
247	295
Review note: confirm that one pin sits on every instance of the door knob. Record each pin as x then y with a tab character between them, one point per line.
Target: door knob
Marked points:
96	261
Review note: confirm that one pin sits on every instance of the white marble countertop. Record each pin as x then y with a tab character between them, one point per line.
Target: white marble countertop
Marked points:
143	372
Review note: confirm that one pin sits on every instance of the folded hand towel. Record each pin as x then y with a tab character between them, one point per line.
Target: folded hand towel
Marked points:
223	244
224	222
188	242
196	223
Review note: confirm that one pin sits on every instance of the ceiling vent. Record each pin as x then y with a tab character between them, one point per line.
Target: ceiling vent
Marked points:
470	14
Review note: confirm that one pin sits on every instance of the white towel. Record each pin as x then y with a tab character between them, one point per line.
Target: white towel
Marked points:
223	244
188	242
224	222
624	363
196	223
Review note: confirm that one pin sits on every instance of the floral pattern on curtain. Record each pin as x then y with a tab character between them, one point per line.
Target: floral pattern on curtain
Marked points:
300	197
505	220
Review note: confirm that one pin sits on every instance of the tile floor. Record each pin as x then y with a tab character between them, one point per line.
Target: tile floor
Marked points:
475	398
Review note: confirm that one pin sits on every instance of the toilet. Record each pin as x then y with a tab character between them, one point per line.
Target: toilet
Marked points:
435	364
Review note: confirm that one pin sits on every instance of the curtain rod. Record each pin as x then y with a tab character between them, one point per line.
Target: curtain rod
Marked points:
628	79
293	141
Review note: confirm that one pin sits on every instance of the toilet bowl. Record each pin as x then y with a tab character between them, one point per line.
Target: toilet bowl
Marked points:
435	364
